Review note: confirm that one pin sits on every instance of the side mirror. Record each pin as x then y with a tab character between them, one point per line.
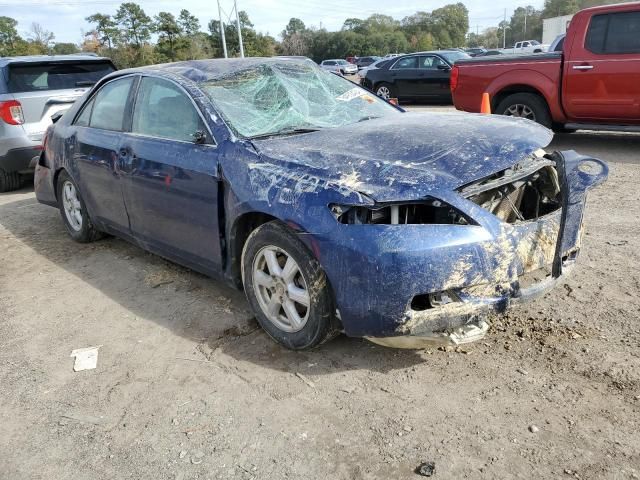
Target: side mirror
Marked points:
445	68
199	137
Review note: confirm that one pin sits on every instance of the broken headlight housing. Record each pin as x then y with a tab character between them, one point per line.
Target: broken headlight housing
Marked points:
425	212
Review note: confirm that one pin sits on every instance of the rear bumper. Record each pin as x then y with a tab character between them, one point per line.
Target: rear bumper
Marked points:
20	159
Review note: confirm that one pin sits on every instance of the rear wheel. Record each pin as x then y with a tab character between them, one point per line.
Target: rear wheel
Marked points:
287	288
385	90
9	181
74	213
525	105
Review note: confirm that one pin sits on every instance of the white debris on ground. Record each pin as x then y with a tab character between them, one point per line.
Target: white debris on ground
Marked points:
86	358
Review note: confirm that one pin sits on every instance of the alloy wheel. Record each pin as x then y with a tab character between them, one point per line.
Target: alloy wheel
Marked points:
520	110
281	289
383	92
72	206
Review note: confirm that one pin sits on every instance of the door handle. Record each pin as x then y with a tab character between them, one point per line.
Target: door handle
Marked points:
583	67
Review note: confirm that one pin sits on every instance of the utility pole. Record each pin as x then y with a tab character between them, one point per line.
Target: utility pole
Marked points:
235	5
504	30
224	41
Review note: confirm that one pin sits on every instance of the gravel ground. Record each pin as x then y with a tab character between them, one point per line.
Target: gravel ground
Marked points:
187	386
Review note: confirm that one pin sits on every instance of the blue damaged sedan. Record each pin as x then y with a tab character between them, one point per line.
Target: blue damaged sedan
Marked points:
334	210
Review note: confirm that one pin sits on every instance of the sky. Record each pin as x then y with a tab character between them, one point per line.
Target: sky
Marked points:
65	18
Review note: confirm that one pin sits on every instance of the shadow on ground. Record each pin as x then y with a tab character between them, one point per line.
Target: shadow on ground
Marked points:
210	313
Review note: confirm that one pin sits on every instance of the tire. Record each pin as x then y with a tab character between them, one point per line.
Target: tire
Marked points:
267	284
74	212
385	90
9	181
526	105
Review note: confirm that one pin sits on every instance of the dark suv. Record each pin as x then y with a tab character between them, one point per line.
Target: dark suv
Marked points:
32	89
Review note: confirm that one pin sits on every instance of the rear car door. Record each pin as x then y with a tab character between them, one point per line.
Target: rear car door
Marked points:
96	152
602	75
47	87
434	78
170	176
405	75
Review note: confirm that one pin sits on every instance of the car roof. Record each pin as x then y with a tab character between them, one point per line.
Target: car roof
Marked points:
51	58
202	70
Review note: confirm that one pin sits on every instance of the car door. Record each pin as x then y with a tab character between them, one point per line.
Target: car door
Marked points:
434	78
602	75
405	75
170	177
95	152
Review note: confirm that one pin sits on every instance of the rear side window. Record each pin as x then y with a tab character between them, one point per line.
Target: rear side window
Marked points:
615	33
406	63
110	105
163	110
56	76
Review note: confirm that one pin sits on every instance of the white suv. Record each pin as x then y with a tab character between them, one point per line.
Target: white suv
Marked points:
32	89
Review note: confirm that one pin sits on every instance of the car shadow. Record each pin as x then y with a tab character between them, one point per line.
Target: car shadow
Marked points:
216	317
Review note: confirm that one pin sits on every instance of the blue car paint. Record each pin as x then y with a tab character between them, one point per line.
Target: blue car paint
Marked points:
374	270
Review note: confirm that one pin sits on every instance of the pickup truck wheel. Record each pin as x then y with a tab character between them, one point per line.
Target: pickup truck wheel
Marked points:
385	90
9	181
525	105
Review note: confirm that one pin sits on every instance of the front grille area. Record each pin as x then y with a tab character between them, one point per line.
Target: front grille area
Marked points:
514	197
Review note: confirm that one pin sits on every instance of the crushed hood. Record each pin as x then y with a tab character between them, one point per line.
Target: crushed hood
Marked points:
408	156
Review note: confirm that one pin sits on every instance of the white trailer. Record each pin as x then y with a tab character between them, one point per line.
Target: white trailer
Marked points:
552	27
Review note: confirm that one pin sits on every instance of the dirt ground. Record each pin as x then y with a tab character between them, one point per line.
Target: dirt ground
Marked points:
187	387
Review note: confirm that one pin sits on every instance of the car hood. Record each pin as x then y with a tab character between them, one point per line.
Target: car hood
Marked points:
407	156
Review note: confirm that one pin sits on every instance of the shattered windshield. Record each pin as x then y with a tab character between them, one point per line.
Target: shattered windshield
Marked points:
278	98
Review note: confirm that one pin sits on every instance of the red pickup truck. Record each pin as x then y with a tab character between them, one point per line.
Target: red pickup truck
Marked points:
594	83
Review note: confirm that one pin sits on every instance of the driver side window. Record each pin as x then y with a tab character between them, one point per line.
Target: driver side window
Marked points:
163	110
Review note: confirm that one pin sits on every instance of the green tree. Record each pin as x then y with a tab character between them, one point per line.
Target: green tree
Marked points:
188	23
8	36
556	8
65	48
168	30
295	25
105	28
450	25
136	26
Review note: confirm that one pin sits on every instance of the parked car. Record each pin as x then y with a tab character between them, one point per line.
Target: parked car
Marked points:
31	90
558	44
333	209
339	66
363	62
476	51
377	64
526	46
489	53
592	83
423	75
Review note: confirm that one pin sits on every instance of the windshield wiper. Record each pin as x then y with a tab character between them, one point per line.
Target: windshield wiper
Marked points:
284	131
85	83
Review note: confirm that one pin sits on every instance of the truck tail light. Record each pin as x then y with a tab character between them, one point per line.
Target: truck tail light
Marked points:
11	112
453	80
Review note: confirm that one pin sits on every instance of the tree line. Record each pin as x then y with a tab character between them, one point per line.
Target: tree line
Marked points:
526	22
131	37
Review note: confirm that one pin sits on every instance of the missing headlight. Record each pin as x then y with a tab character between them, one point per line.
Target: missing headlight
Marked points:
428	212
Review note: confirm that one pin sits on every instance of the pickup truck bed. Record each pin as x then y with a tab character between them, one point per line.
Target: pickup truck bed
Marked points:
593	84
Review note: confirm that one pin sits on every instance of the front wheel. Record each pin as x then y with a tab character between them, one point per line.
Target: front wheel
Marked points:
287	288
385	90
526	105
74	212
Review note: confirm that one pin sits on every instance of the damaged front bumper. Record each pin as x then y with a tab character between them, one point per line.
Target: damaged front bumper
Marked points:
464	274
